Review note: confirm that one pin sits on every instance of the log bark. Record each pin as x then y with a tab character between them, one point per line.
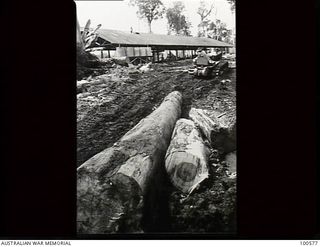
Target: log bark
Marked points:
207	125
231	160
112	184
218	130
187	157
123	61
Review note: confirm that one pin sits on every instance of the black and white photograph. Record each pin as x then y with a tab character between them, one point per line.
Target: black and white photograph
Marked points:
152	120
156	117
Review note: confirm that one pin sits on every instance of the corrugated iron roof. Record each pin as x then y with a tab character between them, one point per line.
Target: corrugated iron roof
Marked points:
147	39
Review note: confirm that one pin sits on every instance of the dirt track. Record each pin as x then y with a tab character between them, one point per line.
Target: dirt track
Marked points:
118	100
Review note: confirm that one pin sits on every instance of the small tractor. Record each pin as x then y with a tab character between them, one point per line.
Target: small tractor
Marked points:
208	66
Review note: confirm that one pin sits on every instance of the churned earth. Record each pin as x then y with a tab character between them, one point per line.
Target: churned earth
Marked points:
110	104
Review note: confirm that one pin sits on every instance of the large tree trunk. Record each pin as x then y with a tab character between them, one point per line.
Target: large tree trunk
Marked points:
219	130
111	185
207	125
149	26
187	156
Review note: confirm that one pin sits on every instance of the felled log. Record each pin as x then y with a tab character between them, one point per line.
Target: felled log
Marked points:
231	160
220	133
207	125
186	157
123	61
112	184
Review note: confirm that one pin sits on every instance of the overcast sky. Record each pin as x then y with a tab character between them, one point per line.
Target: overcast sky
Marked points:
119	15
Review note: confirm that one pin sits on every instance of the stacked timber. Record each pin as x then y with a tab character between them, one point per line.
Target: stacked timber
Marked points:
112	184
187	157
221	134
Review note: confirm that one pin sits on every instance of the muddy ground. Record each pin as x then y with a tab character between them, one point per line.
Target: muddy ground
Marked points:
110	104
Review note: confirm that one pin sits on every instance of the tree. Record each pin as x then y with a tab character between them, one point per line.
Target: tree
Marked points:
212	30
204	13
222	32
233	8
177	22
149	9
218	30
233	4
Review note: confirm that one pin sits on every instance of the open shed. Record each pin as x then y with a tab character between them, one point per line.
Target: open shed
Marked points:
126	43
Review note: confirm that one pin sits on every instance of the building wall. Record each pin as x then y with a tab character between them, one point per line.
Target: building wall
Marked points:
133	51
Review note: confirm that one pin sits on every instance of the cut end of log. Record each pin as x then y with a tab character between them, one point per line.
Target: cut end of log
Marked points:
187	171
186	176
116	202
186	158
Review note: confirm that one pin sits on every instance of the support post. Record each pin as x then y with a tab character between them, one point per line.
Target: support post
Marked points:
153	56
